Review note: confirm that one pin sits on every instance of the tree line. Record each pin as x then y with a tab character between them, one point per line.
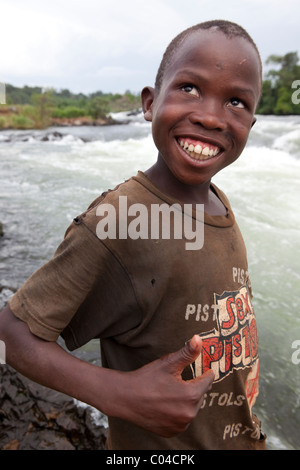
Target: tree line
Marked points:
278	87
35	107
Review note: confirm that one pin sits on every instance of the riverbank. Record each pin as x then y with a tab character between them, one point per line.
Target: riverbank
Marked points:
33	417
35	108
13	119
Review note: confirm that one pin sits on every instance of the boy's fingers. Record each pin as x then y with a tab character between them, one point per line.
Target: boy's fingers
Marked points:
205	380
178	360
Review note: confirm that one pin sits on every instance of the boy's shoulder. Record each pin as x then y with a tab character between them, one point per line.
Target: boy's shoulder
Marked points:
112	202
221	195
132	188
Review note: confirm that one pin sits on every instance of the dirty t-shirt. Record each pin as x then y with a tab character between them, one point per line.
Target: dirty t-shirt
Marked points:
145	296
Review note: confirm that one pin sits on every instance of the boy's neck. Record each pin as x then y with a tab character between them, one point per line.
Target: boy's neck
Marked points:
162	177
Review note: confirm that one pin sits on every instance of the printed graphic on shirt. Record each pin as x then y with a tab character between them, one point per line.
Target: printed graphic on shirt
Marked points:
233	344
252	384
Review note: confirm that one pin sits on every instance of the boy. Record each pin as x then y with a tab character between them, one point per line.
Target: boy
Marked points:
146	298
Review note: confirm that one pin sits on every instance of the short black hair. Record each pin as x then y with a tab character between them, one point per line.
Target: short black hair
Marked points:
229	28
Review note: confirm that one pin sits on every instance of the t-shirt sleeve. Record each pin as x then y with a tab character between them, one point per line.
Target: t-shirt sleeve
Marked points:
83	292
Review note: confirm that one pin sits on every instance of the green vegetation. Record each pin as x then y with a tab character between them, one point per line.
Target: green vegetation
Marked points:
35	108
277	88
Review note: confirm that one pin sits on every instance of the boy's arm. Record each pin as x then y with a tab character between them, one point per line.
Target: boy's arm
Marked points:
153	397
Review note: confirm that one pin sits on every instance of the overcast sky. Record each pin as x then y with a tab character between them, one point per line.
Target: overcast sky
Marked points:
116	45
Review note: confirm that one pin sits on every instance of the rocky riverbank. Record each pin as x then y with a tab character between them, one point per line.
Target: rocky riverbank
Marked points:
82	121
11	119
33	417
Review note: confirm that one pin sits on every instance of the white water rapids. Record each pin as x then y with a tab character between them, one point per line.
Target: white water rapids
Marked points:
49	177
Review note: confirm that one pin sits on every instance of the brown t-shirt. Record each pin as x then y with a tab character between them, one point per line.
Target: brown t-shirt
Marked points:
144	298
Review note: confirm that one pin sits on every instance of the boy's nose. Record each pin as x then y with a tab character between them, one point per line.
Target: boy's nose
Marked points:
209	115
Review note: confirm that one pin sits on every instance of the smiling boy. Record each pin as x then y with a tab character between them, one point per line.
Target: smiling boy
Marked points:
146	298
202	112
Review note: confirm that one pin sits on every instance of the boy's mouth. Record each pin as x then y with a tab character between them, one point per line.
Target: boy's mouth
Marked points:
197	149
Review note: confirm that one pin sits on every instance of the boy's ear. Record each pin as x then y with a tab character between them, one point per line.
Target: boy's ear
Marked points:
147	96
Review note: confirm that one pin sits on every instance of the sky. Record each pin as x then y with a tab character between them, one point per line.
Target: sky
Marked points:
116	45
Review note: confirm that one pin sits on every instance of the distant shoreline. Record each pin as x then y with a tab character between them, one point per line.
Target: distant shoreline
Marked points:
70	122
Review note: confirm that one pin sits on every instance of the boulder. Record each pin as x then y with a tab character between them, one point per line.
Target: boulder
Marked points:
33	417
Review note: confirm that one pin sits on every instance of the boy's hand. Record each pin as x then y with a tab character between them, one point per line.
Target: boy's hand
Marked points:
153	397
159	400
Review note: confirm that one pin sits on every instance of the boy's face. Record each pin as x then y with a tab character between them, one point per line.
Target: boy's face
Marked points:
203	113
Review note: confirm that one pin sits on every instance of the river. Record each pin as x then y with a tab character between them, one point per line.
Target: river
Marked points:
48	177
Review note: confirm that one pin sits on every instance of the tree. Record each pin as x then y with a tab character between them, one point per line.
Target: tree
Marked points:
277	88
98	108
43	106
268	98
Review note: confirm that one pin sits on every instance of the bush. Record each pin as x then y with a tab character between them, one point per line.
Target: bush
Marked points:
22	122
68	112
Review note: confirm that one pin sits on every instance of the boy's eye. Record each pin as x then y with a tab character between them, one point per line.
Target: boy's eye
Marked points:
236	103
190	89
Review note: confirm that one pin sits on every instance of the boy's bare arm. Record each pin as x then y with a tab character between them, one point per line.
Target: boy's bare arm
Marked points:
153	397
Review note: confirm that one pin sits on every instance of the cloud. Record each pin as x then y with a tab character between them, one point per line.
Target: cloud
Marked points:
57	40
116	44
114	71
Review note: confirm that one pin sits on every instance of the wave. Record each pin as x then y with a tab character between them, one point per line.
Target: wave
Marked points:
281	133
275	132
289	142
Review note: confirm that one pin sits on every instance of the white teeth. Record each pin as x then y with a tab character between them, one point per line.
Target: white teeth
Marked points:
199	150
